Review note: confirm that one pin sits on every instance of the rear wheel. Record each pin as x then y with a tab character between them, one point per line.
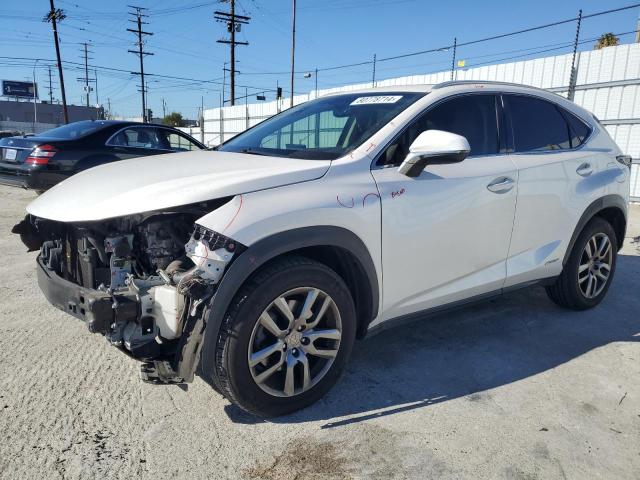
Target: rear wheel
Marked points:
588	273
285	338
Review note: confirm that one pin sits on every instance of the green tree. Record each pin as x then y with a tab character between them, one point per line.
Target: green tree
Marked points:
606	40
174	119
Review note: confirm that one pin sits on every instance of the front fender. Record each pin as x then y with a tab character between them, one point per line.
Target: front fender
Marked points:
281	243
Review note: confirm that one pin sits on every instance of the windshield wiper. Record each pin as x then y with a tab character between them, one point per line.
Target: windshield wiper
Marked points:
251	151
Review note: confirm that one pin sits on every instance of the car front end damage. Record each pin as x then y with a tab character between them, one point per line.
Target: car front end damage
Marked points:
144	281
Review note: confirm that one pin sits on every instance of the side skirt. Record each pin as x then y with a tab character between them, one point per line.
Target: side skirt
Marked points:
432	312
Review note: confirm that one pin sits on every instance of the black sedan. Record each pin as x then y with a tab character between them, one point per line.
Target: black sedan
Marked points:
39	162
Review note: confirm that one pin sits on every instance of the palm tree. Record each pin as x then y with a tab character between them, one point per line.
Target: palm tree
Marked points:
606	40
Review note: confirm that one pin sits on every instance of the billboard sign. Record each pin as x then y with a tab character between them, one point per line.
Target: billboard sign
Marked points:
12	88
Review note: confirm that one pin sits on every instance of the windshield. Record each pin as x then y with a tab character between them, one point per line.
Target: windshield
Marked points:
73	130
322	129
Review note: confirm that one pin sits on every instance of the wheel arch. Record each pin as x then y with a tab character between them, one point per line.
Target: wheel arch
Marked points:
613	209
336	247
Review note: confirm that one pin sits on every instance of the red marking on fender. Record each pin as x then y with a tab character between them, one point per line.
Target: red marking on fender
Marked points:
205	255
397	193
234	217
365	197
343	205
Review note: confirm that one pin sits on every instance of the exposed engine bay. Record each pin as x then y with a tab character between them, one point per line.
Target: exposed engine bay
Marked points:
142	280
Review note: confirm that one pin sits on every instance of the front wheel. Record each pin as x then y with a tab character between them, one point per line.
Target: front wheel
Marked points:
285	338
587	275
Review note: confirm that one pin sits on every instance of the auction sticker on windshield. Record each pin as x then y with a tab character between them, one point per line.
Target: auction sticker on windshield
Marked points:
376	99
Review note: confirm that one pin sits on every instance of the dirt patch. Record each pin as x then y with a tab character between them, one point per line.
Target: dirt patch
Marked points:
304	458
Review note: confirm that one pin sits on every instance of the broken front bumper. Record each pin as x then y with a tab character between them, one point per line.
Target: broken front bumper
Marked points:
98	309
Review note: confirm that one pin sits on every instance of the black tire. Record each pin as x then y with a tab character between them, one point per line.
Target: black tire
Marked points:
566	291
230	371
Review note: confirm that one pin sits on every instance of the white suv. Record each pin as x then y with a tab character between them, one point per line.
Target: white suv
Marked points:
261	262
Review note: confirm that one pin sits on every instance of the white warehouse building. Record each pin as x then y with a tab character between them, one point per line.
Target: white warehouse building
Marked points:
608	84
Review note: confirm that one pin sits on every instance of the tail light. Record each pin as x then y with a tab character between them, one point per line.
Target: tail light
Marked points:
41	155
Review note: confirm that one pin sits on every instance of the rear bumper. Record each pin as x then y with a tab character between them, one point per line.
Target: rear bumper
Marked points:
34	178
99	310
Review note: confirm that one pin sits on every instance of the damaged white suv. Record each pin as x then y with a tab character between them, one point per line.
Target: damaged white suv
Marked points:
257	265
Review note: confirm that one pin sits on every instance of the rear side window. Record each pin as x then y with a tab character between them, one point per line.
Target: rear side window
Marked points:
177	142
472	116
578	129
138	137
539	125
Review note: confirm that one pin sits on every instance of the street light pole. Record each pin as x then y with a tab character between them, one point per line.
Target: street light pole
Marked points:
293	49
35	103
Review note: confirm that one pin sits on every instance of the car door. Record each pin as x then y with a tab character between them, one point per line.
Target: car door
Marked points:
136	141
557	181
446	233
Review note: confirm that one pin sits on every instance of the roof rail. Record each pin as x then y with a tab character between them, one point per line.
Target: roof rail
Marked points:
450	83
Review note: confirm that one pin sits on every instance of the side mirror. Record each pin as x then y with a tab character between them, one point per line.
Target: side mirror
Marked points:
434	147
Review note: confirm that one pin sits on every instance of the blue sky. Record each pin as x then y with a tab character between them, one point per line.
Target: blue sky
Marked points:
329	33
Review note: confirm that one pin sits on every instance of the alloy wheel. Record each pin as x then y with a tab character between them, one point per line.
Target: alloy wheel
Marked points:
294	342
594	269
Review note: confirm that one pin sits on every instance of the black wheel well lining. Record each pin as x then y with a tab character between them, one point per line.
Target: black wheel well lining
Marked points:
618	221
348	267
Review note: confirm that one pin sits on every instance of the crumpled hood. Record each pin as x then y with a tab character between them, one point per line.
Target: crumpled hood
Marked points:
151	183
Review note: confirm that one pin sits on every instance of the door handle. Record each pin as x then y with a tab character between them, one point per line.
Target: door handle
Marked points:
501	185
584	170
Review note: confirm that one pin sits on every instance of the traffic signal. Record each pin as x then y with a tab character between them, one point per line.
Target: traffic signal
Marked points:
279	92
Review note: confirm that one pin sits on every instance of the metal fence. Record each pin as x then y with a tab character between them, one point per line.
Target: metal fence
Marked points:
26	127
608	84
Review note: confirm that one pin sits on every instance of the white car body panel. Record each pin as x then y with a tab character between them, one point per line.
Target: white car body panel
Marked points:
434	226
445	238
161	181
551	198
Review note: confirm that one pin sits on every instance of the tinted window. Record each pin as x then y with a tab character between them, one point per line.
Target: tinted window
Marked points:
177	142
579	131
472	116
326	128
138	138
538	125
73	130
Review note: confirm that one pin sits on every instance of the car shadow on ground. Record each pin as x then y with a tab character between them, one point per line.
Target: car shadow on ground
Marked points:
471	350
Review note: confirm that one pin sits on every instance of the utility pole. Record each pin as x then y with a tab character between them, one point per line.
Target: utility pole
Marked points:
574	74
234	24
293	49
35	95
138	14
453	60
87	88
224	80
50	87
55	16
164	108
373	81
95	74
